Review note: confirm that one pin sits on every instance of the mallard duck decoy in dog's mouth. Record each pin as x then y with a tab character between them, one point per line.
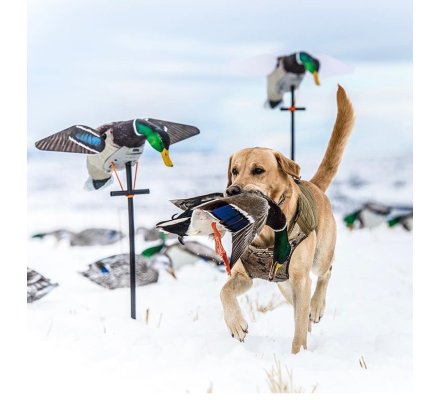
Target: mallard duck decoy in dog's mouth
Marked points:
244	215
113	144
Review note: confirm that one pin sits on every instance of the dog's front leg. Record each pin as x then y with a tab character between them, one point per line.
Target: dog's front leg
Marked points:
237	284
299	276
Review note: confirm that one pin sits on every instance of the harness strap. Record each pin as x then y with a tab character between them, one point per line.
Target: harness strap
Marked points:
257	261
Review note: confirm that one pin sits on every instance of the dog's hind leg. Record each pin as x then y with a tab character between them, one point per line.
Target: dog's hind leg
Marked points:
237	284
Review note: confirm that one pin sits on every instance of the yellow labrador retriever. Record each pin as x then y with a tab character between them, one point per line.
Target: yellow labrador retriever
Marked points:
278	177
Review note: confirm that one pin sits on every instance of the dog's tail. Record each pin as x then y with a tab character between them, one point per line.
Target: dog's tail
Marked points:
336	145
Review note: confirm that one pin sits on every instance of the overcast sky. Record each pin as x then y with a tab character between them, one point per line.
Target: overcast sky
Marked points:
96	61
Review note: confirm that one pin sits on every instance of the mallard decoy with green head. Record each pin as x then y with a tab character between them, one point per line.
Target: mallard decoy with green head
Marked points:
86	237
289	71
404	220
177	255
114	271
151	234
244	215
369	215
112	145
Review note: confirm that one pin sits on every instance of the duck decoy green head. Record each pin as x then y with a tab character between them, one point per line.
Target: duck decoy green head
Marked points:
311	64
157	137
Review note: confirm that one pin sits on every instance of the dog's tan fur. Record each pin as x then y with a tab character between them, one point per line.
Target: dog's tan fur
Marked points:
316	252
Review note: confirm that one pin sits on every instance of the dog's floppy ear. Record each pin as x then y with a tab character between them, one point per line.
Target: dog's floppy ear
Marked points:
229	173
288	166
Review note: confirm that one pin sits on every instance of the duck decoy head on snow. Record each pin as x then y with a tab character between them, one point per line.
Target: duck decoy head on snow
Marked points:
112	145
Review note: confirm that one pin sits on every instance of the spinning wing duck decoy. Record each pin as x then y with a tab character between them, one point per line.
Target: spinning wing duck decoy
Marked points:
289	71
244	215
117	143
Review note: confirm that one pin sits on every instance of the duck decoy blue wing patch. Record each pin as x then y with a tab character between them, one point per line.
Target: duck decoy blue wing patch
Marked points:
176	131
87	138
69	141
232	218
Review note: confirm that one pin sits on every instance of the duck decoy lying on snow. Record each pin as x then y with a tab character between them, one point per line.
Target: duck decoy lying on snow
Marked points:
177	255
244	215
37	285
150	234
289	71
112	145
405	220
369	216
114	271
87	237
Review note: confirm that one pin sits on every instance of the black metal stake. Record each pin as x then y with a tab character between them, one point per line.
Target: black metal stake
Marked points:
292	110
130	193
292	124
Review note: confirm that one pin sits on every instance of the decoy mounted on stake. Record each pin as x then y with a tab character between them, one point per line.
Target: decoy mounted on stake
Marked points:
244	215
289	72
116	146
112	145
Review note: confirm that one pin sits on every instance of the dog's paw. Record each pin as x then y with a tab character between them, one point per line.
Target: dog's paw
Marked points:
297	344
317	308
237	325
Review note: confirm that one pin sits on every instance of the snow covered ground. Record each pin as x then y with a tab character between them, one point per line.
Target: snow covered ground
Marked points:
83	329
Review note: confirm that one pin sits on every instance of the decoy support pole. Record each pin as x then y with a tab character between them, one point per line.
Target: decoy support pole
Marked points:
130	193
292	110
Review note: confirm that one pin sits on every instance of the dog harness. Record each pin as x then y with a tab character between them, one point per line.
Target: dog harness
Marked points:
257	261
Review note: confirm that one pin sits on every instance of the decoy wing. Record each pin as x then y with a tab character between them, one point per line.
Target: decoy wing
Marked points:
76	139
191	202
243	238
243	226
177	132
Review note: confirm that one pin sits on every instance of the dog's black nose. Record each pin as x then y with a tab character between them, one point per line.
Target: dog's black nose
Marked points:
233	190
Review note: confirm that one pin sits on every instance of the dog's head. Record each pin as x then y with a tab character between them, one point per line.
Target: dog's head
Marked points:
261	169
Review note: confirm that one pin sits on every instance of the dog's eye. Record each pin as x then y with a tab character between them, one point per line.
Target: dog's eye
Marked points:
234	171
258	171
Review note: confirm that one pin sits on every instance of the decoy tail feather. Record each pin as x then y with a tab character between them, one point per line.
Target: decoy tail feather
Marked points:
240	242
